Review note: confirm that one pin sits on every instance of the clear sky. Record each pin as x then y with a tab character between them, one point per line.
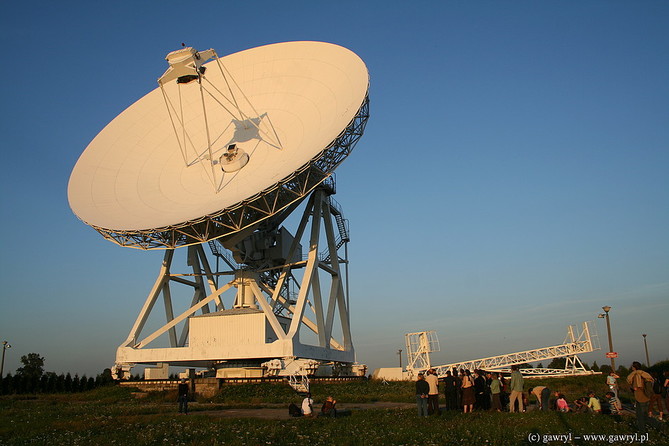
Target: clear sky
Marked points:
513	178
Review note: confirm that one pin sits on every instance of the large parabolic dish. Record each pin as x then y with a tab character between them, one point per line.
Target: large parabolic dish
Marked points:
157	176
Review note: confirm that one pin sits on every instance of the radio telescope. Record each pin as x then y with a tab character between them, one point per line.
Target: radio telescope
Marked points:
218	157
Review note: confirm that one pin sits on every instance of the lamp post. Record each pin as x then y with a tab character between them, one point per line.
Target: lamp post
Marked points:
605	315
645	344
5	346
399	352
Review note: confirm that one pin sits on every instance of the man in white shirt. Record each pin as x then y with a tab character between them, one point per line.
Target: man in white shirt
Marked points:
433	395
307	406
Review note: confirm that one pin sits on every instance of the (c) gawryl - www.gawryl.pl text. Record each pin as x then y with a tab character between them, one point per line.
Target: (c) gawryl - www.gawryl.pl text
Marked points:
534	437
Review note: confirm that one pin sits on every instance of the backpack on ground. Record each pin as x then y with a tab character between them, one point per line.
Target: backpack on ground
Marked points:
294	411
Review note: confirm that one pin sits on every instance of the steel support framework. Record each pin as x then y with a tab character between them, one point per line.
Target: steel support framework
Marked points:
419	346
573	366
327	315
229	98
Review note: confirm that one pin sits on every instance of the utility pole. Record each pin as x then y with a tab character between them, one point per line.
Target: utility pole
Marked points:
608	329
645	344
5	346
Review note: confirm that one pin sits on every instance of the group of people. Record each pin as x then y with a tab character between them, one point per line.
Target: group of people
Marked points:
328	409
593	404
427	393
648	391
467	390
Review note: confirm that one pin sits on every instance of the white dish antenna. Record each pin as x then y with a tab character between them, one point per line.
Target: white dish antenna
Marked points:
221	144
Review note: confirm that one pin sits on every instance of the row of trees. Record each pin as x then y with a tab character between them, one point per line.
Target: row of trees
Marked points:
605	369
31	378
559	363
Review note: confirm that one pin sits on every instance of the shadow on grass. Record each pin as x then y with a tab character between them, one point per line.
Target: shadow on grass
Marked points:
563	419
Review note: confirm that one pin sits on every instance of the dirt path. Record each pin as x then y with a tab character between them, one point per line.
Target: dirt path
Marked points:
281	412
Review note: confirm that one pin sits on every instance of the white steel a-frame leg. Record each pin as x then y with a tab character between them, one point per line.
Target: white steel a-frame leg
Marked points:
209	331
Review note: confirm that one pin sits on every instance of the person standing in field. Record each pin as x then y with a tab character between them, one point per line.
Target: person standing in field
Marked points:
458	386
504	396
433	395
468	397
656	399
516	387
666	390
488	393
637	380
451	391
480	390
182	396
495	391
612	382
422	390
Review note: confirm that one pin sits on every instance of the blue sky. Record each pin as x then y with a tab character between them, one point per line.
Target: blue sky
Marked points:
513	178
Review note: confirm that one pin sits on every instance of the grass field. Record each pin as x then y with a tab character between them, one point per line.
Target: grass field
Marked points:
112	415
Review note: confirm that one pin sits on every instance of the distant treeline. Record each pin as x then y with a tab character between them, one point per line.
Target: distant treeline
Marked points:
50	382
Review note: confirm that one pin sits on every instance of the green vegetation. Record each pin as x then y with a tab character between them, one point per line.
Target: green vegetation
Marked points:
112	415
397	391
31	379
33	366
351	391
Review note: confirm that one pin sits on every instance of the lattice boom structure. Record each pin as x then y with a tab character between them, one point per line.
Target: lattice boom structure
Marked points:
572	346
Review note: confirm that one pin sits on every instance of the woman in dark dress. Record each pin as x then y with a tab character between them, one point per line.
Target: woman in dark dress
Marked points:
480	390
458	386
451	391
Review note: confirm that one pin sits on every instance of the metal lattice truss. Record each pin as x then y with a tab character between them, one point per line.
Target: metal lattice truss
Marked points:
573	366
250	212
285	313
186	65
574	344
299	382
419	346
